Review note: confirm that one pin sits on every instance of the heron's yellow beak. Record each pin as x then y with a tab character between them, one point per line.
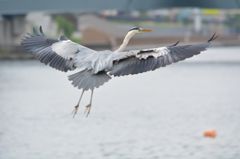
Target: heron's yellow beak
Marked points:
145	30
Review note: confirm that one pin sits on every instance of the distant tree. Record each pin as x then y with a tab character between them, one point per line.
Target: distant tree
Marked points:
65	26
144	14
233	21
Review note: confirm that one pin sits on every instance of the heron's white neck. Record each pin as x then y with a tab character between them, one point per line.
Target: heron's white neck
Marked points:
125	41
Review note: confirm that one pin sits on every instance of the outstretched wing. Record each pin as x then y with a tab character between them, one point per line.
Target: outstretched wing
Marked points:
58	53
151	59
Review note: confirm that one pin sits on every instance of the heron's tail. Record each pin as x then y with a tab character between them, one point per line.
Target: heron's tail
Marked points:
86	80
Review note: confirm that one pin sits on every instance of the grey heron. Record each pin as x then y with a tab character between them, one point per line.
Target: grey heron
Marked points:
96	67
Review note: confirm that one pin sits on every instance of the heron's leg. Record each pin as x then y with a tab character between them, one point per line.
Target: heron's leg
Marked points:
88	107
76	107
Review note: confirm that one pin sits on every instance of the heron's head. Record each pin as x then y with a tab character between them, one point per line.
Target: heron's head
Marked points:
136	30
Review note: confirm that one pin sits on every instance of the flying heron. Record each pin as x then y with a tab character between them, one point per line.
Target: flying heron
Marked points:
97	67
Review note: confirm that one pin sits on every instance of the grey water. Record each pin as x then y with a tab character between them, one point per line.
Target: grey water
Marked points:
159	114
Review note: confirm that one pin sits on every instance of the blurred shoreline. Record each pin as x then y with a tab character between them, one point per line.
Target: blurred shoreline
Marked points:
18	53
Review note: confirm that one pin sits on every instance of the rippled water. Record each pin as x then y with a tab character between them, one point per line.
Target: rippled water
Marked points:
160	114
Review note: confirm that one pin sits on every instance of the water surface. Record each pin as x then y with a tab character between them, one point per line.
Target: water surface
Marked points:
160	114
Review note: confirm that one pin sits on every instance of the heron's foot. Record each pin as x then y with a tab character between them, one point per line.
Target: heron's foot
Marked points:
74	112
88	108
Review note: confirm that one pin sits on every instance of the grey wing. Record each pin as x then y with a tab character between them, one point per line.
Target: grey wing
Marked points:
151	59
58	53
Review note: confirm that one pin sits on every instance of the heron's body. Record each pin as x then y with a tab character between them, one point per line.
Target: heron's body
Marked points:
96	68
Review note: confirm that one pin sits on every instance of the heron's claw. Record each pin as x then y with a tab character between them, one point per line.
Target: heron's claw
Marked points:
88	108
74	112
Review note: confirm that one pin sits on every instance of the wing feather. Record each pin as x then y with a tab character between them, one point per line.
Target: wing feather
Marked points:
151	59
57	53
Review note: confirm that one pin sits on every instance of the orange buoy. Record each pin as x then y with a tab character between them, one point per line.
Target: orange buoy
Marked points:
210	133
